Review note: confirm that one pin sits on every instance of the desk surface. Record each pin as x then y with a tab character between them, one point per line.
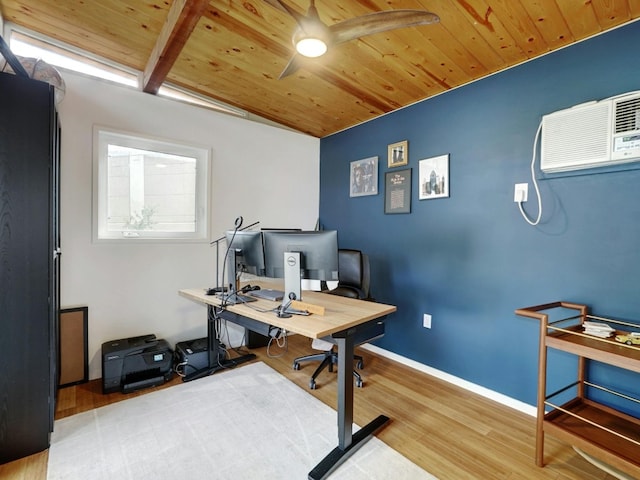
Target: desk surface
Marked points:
341	313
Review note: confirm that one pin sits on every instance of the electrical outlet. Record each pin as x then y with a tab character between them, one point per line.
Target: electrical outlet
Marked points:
426	320
521	192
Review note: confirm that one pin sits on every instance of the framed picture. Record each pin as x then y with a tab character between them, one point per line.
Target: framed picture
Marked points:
363	177
397	191
434	177
398	154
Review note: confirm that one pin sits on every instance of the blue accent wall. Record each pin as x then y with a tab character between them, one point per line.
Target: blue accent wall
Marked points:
470	259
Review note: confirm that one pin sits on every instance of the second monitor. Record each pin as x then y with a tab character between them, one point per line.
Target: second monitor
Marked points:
316	257
247	248
245	254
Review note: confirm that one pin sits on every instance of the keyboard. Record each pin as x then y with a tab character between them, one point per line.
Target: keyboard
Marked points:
268	294
235	298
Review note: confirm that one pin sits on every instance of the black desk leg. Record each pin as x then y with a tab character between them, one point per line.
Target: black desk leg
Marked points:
345	391
348	442
215	363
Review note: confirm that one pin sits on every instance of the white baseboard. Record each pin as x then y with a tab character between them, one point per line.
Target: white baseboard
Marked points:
472	387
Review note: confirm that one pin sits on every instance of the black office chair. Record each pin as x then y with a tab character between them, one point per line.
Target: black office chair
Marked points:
353	282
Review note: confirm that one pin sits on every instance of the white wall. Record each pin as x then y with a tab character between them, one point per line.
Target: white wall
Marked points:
260	172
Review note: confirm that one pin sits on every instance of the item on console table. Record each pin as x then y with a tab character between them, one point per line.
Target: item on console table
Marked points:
630	338
598	329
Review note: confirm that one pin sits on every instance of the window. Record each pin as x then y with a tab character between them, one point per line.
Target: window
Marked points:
146	188
30	44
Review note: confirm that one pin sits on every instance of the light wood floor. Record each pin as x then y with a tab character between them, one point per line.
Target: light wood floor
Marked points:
449	432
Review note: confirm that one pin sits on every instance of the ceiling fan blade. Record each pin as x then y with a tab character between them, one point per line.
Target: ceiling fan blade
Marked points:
379	22
292	66
276	4
299	18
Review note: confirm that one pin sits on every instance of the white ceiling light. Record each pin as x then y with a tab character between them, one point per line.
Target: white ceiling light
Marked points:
311	47
312	39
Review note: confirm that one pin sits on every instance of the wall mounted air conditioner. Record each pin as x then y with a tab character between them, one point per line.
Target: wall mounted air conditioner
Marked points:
594	134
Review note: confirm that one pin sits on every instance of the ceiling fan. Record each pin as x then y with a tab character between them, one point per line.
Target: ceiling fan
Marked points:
313	38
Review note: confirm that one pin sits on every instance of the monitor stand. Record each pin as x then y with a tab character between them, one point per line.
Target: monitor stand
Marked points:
231	296
292	276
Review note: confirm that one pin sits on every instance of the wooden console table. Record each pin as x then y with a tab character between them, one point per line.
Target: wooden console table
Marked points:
599	430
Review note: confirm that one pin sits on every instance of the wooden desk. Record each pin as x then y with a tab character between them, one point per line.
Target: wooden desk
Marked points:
346	322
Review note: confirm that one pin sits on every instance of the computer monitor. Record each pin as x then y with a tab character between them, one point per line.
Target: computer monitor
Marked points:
245	255
316	257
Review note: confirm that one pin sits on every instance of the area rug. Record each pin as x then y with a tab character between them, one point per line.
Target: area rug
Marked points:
249	422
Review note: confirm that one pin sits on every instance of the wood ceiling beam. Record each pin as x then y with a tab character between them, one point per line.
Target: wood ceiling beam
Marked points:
181	20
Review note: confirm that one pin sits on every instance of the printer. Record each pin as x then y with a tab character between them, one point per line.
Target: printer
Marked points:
133	363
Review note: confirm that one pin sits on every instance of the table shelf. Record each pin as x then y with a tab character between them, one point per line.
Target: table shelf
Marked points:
600	431
605	350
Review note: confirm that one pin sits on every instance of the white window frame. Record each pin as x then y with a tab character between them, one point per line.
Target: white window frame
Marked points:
102	136
32	44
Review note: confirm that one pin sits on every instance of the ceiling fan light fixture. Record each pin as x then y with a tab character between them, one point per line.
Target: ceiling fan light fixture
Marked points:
312	37
311	47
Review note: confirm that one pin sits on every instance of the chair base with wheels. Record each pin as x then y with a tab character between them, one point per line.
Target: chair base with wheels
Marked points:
328	359
353	282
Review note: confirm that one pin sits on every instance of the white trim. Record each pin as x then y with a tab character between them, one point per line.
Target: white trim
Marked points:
459	382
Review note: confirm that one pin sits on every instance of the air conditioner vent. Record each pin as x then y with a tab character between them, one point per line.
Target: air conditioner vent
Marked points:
593	134
576	138
627	115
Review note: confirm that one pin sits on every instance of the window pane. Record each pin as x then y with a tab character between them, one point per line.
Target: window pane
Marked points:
153	192
27	46
55	53
150	191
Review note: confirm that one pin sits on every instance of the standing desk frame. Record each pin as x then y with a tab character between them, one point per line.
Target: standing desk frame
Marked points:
346	322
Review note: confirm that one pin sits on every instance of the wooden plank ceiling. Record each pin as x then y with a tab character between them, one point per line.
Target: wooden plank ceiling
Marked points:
235	50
